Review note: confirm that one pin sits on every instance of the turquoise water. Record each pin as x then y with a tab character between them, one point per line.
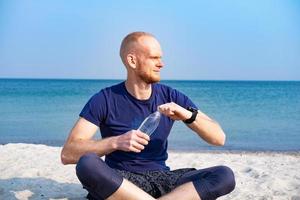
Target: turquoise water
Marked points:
255	115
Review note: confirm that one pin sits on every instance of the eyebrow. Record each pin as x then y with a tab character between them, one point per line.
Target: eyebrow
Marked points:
155	56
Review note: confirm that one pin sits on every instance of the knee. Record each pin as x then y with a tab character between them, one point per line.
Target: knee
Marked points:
227	179
86	164
215	182
98	178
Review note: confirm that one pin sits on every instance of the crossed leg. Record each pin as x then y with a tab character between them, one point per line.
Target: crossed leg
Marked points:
203	184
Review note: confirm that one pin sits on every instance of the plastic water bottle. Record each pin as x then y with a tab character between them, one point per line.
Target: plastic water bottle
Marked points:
149	124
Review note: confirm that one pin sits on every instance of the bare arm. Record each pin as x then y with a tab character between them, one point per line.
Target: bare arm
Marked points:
80	142
208	129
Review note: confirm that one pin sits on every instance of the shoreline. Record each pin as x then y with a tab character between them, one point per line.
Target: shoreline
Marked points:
213	151
295	153
34	171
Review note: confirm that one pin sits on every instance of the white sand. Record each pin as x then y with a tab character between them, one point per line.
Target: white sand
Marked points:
34	172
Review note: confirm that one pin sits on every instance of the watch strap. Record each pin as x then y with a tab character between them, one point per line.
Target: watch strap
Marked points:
193	117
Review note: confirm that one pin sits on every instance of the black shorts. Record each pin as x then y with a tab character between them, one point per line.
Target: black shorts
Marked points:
155	183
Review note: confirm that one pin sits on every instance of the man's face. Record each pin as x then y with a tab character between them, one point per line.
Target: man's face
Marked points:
149	60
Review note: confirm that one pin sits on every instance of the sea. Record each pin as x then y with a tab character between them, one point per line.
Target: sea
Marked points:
255	115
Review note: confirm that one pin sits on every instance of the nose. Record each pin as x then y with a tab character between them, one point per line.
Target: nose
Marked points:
160	64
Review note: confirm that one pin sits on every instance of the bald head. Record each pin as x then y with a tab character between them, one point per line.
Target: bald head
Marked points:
131	44
141	54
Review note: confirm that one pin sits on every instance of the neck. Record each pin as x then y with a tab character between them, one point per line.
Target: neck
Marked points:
139	89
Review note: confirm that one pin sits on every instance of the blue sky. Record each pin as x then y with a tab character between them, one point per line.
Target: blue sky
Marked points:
202	40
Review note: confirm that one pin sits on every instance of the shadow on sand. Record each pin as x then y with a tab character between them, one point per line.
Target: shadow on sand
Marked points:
39	188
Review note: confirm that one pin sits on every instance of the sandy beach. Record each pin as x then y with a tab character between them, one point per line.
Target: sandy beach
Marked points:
30	171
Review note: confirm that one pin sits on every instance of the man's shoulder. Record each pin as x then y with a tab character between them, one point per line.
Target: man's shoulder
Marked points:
109	91
161	86
166	89
169	91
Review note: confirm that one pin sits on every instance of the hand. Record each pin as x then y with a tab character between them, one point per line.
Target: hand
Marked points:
174	111
133	140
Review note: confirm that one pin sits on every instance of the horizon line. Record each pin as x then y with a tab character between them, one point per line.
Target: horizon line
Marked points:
106	79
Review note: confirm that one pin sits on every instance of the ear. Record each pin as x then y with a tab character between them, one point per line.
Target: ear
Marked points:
131	60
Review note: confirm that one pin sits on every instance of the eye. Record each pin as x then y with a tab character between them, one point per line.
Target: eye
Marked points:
155	57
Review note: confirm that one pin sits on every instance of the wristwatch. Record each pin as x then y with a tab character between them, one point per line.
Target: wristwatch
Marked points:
193	117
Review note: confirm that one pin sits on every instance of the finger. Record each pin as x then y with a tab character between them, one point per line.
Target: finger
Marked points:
167	112
133	149
166	108
162	109
163	106
137	145
142	141
170	112
142	135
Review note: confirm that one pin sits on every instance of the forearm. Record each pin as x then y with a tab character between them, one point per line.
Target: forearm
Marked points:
74	149
208	129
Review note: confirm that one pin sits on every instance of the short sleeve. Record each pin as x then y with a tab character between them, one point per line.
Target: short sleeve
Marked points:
181	99
95	109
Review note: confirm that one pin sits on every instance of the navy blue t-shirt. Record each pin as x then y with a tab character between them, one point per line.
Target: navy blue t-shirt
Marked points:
116	111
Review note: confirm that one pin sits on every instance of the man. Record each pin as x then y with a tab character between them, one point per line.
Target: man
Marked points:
134	167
